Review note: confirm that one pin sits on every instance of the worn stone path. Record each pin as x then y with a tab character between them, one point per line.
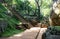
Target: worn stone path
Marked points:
33	33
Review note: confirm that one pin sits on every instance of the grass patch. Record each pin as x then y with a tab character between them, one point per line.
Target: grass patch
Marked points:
10	32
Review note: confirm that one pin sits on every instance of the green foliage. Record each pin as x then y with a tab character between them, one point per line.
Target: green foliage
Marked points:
22	7
2	8
46	7
10	32
8	1
12	21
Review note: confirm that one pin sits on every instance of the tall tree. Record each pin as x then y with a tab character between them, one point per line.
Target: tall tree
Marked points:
38	3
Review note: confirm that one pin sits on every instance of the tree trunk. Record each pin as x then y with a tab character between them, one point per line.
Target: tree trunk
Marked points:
38	9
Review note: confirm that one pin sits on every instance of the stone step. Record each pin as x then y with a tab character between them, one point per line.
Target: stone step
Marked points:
42	30
31	33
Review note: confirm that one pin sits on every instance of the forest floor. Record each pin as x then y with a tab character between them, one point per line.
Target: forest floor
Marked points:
33	33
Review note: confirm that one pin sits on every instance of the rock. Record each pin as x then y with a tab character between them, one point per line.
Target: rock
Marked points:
51	33
55	14
53	37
